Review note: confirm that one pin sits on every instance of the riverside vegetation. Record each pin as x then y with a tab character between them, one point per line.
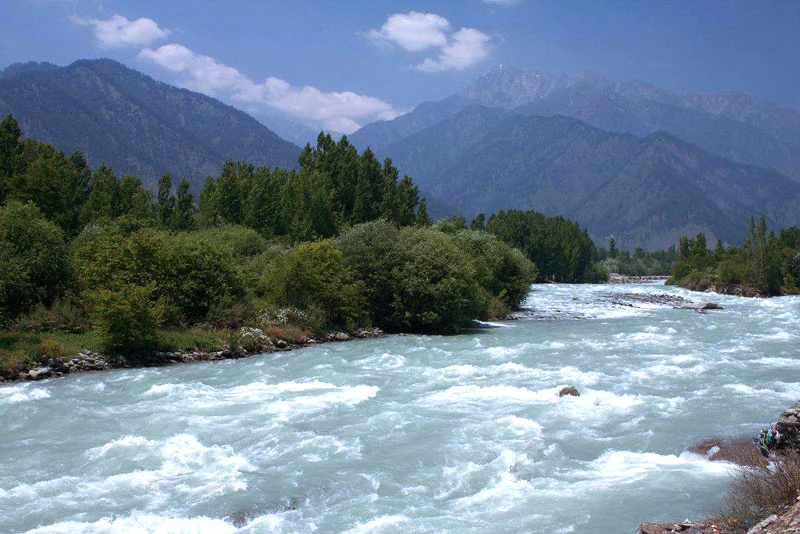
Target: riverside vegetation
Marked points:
765	264
92	261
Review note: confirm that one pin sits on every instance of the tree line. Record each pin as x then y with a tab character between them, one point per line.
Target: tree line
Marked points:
765	264
342	242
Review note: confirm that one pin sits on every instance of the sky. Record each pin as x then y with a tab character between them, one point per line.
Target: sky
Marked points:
340	64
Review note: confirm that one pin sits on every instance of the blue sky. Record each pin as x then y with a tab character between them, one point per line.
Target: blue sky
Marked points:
341	64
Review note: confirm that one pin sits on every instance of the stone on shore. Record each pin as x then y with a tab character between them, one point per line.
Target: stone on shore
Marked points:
686	527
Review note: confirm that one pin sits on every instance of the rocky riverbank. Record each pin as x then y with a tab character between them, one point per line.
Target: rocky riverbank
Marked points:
87	361
779	438
616	278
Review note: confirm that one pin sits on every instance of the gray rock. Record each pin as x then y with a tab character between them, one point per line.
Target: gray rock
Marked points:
341	336
39	373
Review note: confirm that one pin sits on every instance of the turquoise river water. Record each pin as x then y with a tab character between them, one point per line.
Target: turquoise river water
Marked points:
414	433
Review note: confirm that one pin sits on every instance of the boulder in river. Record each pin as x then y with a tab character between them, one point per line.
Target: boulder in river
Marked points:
700	306
569	390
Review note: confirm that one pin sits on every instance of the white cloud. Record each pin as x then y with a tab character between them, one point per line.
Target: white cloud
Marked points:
339	111
413	31
468	46
119	31
416	32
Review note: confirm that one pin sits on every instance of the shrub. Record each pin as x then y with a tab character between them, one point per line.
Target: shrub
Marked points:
237	241
371	250
64	315
315	275
49	348
128	319
760	491
435	287
33	258
502	271
186	272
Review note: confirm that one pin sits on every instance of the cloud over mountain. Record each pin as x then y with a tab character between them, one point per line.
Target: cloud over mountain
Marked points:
341	111
417	32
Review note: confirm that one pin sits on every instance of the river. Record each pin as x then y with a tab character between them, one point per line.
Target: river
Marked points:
414	433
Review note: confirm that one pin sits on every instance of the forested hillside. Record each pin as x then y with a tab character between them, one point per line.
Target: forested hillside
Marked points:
642	191
139	126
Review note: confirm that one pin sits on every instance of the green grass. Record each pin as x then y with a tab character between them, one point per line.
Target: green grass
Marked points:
191	339
23	350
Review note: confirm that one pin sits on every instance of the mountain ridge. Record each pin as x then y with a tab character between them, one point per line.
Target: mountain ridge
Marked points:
138	125
643	190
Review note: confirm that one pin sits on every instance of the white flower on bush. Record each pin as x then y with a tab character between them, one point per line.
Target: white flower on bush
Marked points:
281	317
251	339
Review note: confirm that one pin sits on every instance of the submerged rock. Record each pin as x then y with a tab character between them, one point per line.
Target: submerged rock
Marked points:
700	306
569	390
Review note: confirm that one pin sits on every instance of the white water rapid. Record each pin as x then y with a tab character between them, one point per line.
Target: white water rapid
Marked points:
414	433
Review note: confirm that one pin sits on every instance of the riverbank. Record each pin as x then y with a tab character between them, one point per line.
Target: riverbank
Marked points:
87	360
763	499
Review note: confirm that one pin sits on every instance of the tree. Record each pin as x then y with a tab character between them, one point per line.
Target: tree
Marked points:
423	219
478	223
165	202
33	258
183	215
10	134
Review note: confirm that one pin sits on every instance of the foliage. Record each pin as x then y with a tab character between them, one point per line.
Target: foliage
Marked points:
500	270
314	275
765	264
186	272
33	259
127	319
561	251
334	188
762	490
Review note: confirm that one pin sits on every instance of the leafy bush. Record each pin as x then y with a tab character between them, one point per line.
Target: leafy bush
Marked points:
435	286
63	315
186	271
237	241
503	272
128	319
33	258
315	275
372	251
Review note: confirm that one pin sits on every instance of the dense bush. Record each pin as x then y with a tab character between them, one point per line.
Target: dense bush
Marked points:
314	276
127	319
435	282
500	270
33	259
425	279
188	273
371	250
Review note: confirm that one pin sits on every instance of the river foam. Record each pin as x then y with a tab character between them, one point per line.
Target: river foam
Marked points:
414	433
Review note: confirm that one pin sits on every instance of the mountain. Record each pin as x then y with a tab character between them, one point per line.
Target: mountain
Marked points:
139	126
730	124
644	191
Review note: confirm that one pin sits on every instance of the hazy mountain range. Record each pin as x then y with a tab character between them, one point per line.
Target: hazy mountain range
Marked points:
626	159
640	163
